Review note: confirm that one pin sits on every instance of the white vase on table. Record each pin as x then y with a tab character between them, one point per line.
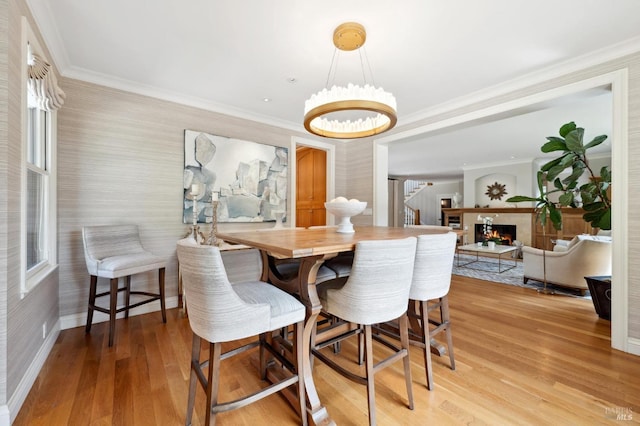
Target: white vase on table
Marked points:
278	214
343	212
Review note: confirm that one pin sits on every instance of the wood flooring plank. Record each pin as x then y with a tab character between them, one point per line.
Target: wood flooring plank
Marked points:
521	359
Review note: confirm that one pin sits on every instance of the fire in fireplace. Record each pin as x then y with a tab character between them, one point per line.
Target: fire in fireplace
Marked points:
502	234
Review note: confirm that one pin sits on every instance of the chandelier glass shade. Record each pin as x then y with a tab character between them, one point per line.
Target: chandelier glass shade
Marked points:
374	108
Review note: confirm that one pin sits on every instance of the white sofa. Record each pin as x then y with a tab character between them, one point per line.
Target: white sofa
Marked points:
567	266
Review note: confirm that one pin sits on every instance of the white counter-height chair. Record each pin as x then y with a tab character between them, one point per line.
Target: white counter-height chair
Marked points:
429	291
115	251
220	312
376	291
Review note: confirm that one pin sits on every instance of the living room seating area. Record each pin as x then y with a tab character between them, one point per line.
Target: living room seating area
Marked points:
569	262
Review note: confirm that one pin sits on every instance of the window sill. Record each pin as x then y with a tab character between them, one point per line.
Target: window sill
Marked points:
36	276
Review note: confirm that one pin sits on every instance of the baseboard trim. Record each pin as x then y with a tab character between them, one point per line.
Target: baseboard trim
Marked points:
5	418
30	376
633	346
10	411
80	320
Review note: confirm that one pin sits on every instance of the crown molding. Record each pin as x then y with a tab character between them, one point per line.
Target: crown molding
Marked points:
49	31
527	161
179	98
43	17
46	26
568	66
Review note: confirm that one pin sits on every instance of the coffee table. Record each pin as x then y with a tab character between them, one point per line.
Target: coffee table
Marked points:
498	251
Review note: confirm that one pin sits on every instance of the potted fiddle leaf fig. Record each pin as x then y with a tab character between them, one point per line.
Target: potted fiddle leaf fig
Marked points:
544	209
591	196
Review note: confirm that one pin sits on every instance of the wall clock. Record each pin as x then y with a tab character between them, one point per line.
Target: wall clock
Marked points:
496	191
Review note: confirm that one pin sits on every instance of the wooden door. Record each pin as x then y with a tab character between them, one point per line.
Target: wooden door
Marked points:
311	187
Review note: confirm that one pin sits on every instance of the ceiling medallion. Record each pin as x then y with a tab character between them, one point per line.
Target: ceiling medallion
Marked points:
496	191
378	106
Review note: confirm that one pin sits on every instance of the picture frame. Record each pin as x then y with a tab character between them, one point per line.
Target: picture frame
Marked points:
248	180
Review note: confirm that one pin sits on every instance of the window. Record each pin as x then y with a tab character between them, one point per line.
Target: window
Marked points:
37	193
41	98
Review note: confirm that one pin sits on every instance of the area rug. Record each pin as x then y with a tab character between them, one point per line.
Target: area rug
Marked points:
487	269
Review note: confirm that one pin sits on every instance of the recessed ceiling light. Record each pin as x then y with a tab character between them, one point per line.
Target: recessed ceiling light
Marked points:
266	99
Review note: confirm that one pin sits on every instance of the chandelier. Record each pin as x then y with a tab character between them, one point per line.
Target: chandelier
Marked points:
375	108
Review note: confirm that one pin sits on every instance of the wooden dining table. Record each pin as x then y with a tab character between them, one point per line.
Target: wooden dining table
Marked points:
312	247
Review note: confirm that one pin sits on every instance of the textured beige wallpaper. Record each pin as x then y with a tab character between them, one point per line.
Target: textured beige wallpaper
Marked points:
4	191
21	319
121	158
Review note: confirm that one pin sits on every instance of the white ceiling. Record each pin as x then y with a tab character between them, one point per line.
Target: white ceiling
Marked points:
227	56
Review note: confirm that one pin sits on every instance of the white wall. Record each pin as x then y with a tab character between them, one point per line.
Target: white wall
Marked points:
428	200
516	176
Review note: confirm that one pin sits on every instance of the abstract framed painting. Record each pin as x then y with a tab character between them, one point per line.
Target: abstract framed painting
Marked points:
249	180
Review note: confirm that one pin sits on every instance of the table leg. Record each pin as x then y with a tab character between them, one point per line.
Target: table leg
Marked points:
415	327
304	286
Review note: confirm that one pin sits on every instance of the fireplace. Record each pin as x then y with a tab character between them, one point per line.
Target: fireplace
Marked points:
504	234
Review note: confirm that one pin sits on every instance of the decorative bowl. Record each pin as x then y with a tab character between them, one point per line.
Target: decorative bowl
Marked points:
343	210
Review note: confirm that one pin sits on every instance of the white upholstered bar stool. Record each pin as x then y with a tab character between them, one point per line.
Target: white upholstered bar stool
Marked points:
220	312
429	292
376	291
115	251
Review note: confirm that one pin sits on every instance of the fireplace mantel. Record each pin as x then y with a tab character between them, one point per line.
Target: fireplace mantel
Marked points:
465	218
496	210
529	231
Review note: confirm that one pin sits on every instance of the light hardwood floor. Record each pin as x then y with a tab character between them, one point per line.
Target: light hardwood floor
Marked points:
521	357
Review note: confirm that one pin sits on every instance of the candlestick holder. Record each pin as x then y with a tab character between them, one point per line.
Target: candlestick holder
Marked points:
213	240
195	210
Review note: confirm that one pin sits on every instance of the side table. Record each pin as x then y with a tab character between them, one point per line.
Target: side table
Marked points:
600	289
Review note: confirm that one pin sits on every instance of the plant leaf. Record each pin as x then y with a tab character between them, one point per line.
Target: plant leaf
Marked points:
553	172
566	199
541	178
554	144
593	206
520	199
578	170
566	128
542	214
571	186
550	164
558	184
605	220
556	217
596	141
574	141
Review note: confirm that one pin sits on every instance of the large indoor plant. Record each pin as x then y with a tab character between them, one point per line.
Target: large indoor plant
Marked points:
592	196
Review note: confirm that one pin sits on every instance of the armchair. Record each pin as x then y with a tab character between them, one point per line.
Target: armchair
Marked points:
584	257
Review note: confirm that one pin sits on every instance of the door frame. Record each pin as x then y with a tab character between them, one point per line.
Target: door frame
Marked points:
618	81
441	197
331	172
